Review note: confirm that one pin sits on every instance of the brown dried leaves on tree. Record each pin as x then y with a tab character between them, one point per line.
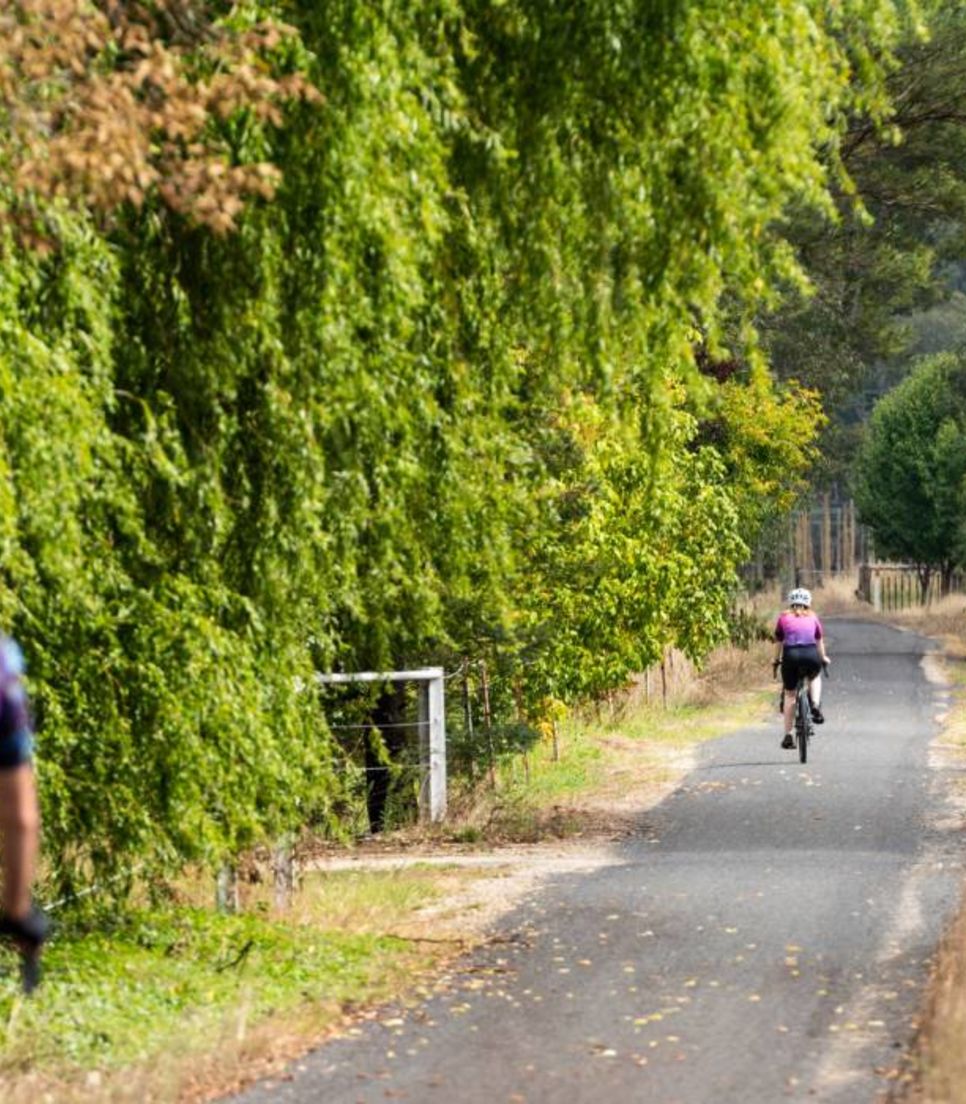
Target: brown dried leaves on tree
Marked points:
108	103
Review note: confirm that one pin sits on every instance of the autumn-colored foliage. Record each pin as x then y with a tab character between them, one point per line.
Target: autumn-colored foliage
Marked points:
108	103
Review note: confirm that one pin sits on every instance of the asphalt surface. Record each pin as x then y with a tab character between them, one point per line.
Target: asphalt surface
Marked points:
765	938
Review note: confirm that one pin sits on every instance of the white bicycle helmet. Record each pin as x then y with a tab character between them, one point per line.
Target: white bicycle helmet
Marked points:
799	597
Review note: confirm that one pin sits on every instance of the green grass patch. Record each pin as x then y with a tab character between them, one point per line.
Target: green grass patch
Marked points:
578	769
592	749
683	725
161	983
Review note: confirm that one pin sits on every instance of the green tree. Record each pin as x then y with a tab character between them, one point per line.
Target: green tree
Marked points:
910	471
884	274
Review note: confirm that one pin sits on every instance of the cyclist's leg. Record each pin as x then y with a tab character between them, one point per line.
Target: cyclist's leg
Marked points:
21	921
789	684
20	825
814	672
788	713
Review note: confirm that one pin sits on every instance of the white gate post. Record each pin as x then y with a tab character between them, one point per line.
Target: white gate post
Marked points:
432	750
432	729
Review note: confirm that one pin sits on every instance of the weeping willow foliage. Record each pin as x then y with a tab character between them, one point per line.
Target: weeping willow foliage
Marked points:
439	397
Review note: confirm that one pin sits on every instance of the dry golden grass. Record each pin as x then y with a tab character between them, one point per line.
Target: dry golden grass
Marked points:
939	1073
728	672
936	1073
946	620
837	596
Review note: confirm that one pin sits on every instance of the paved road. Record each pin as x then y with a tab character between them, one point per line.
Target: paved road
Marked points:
765	939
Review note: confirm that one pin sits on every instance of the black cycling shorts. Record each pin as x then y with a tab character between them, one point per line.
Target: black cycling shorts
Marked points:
16	748
798	660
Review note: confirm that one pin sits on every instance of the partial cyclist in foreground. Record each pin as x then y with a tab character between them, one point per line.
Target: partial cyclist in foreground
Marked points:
799	650
20	920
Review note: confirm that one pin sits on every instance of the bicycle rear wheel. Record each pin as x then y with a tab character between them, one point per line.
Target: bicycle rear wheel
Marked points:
803	724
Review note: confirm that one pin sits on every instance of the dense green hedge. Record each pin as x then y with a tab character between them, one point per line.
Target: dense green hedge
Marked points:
438	398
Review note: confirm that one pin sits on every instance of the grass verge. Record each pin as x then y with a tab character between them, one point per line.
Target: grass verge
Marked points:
936	1072
134	1010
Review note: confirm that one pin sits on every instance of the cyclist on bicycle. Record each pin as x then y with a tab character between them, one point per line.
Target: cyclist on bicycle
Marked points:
20	920
799	650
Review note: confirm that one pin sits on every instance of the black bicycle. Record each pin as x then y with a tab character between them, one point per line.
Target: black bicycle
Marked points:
804	725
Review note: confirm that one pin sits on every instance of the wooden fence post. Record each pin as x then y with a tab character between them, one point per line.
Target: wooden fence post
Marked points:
283	870
826	568
805	552
488	722
468	718
226	889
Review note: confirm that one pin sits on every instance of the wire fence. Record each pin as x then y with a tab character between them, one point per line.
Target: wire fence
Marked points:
381	767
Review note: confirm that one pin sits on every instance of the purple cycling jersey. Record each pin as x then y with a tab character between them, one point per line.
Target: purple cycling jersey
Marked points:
796	630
